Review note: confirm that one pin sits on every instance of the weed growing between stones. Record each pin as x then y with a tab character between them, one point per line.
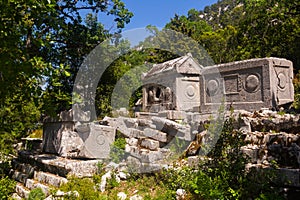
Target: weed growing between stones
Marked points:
117	151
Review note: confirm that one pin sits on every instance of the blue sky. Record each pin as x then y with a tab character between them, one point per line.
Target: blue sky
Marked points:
157	12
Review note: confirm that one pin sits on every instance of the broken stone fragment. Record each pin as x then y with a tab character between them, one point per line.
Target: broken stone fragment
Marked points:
149	144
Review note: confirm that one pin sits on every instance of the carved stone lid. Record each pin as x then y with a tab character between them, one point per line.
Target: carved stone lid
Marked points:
182	65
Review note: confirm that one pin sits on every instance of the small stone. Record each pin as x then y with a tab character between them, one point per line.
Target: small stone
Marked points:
122	175
136	197
103	181
122	196
59	193
180	194
117	178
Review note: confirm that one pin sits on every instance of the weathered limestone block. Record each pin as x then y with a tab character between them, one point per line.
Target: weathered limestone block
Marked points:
131	122
149	144
135	133
168	125
252	151
256	138
145	122
53	133
117	123
97	144
132	141
156	135
81	141
22	191
144	155
71	145
186	134
248	84
193	161
173	128
49	179
31	184
286	122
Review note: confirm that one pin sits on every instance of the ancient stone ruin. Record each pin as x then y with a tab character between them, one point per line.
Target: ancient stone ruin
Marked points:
177	90
184	85
180	98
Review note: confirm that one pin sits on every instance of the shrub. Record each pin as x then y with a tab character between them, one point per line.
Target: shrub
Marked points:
223	176
7	187
84	186
36	194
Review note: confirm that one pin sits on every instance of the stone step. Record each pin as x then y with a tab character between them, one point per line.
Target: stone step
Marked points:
49	179
19	176
32	184
23	167
22	191
59	165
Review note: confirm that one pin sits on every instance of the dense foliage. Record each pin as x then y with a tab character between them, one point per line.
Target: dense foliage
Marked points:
235	30
42	44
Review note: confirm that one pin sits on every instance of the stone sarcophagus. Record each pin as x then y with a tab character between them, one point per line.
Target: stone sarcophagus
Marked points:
183	84
71	139
248	84
172	85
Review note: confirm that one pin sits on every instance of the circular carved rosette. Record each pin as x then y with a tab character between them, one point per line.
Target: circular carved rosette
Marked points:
282	80
100	139
190	91
252	83
212	87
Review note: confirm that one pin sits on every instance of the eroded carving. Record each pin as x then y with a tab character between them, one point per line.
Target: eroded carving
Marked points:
252	83
212	87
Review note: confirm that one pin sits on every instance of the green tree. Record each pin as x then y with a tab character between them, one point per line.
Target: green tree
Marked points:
42	44
270	28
